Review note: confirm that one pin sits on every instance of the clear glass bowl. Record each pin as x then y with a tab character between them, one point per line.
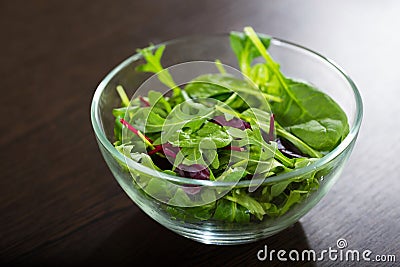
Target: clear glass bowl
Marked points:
296	62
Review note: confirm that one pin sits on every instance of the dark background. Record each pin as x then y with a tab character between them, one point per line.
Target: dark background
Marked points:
59	203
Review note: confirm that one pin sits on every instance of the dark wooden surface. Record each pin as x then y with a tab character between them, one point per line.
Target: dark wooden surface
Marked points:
59	203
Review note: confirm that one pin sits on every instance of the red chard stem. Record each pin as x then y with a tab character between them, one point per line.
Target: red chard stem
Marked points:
134	130
271	128
156	149
144	101
235	148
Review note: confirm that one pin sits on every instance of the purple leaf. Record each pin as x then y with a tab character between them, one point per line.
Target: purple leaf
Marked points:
288	149
235	122
194	171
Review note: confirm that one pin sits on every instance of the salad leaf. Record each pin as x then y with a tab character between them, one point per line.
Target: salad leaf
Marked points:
203	213
189	156
188	116
214	85
245	50
147	120
307	112
315	118
153	65
293	198
211	157
232	175
230	211
239	139
157	99
253	206
210	136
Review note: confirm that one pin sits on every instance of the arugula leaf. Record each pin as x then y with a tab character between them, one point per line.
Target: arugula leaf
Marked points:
208	85
213	85
294	197
180	197
230	211
142	158
153	65
188	116
200	146
271	209
189	156
242	215
160	189
248	202
211	157
255	138
232	175
257	161
259	117
278	188
147	120
120	112
156	99
209	136
204	212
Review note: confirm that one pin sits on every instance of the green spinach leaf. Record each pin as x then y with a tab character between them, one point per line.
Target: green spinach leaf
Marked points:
307	112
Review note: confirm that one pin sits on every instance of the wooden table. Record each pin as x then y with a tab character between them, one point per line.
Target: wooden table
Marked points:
60	205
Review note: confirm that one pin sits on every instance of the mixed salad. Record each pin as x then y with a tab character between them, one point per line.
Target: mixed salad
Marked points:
209	129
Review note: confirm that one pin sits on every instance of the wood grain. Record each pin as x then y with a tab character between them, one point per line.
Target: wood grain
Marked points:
60	204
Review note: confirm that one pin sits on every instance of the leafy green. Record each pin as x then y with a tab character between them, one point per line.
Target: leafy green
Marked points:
160	189
210	135
199	145
203	213
157	100
210	157
298	143
232	175
307	112
315	118
252	205
293	198
188	116
148	121
245	50
189	128
189	156
230	211
153	65
214	85
254	137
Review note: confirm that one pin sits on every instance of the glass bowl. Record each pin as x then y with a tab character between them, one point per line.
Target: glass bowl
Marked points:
296	62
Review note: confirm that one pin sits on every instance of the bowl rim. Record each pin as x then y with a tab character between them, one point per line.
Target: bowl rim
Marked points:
349	139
